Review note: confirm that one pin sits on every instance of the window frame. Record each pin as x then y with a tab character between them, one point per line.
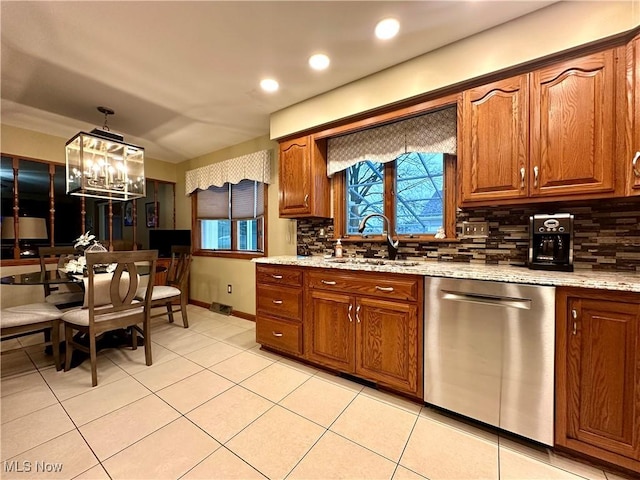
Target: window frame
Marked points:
233	253
339	187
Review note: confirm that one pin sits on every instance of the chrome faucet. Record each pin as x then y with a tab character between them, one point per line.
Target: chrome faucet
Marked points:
391	244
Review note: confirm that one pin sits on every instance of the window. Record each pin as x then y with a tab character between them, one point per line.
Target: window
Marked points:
404	170
231	218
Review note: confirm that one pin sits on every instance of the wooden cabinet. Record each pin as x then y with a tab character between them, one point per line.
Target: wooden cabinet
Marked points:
304	185
598	374
279	308
632	160
546	135
367	324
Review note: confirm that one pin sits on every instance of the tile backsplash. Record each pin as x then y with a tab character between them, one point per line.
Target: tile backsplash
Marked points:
606	236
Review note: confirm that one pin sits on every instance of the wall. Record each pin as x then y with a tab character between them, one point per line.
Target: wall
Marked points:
211	275
606	236
552	29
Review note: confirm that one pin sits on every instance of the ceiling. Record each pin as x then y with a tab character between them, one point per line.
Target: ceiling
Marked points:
183	77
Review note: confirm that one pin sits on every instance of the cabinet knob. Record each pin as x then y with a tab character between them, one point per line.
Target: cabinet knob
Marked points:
522	177
634	164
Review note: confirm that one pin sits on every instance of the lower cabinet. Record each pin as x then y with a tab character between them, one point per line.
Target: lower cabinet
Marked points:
598	374
352	325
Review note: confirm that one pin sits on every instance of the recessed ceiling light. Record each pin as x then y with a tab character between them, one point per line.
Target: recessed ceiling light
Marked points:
387	28
319	61
269	85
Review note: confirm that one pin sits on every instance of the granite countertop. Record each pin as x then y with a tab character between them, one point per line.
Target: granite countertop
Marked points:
586	278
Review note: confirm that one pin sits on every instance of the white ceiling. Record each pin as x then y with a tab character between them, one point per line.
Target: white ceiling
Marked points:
183	76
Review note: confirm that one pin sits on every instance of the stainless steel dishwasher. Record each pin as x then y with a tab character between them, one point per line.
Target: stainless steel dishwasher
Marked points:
489	353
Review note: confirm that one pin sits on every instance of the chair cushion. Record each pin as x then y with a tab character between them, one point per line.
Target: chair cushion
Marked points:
65	298
28	314
80	316
160	292
102	286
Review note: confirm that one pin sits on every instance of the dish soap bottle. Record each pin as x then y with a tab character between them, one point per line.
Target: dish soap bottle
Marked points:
338	251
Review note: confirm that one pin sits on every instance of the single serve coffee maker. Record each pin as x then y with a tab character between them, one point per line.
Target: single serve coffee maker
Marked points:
551	242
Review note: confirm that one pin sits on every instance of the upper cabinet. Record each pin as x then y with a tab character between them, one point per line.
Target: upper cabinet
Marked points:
632	160
546	135
304	185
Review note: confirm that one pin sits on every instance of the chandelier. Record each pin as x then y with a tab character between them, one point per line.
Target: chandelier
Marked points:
101	165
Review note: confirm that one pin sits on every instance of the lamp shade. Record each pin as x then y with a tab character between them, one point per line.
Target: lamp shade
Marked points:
30	228
101	165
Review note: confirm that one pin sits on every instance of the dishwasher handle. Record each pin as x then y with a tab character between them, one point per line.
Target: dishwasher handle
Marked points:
497	301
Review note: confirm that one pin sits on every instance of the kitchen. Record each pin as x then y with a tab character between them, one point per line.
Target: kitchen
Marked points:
508	226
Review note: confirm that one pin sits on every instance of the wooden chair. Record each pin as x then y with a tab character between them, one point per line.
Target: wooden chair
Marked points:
176	287
33	318
112	304
64	295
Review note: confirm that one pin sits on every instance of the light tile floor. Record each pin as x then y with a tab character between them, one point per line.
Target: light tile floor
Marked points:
213	405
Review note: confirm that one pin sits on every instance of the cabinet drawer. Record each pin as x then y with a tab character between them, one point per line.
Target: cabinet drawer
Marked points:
279	334
363	283
279	301
279	275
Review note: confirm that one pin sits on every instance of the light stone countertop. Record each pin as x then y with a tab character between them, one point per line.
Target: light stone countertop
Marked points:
585	278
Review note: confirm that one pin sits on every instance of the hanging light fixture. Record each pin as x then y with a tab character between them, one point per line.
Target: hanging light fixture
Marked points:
101	165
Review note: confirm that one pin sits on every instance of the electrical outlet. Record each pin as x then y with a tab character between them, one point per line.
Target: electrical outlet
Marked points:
228	288
475	229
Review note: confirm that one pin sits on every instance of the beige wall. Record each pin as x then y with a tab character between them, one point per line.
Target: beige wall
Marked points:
555	28
211	275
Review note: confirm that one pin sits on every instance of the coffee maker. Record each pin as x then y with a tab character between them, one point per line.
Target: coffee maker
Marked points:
551	242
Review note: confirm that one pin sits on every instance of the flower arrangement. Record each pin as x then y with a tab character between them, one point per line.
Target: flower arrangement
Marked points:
85	243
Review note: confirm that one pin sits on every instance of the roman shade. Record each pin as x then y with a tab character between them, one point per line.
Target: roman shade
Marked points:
433	132
254	166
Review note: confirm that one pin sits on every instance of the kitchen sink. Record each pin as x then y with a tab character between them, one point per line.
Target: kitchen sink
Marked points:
373	261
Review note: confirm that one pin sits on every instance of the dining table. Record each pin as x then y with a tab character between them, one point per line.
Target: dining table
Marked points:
113	339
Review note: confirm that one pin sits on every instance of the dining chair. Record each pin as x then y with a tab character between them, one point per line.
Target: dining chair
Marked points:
33	318
111	304
177	285
63	295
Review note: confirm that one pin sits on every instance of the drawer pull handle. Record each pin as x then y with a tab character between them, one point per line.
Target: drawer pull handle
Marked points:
328	282
277	334
349	314
277	302
384	289
277	277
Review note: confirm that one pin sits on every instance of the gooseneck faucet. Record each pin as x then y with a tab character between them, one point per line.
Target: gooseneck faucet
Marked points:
391	244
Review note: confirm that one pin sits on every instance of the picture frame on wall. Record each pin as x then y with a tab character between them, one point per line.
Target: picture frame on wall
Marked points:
152	214
128	214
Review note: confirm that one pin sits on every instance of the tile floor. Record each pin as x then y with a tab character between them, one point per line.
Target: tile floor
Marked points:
213	405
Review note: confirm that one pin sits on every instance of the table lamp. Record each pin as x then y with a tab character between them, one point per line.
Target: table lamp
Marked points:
30	228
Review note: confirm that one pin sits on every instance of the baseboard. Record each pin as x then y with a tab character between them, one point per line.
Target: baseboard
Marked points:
235	313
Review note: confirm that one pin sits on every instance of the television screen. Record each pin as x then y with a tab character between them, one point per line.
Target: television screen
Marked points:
162	240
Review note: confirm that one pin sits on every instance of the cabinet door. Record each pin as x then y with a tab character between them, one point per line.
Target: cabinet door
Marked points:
387	344
601	373
632	162
295	176
329	330
573	126
495	141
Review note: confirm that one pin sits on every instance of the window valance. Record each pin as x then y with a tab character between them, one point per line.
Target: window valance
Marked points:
254	166
433	132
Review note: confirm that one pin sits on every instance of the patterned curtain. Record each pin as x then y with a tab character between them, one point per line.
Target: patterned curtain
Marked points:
430	133
254	166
